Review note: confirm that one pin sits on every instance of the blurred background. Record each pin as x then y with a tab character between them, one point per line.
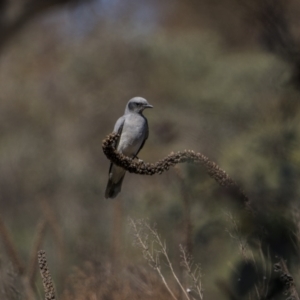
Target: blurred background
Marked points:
224	80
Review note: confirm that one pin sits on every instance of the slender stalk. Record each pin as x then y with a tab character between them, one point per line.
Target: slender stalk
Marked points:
153	260
163	250
46	276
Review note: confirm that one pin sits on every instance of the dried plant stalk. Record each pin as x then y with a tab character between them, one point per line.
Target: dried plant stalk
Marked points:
54	225
186	156
152	257
46	276
38	240
55	228
11	249
116	244
187	222
153	248
236	234
194	273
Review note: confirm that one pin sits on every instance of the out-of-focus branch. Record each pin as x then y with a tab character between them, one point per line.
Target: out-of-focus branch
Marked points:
187	223
28	11
186	156
11	249
38	240
286	279
275	32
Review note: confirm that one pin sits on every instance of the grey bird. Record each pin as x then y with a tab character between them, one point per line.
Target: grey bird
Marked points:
133	130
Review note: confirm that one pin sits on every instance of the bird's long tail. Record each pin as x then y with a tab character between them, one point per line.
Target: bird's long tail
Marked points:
113	188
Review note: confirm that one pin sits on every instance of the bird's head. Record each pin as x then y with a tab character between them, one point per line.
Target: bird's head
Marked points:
137	105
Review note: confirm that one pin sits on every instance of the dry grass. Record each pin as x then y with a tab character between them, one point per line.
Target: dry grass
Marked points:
94	280
154	250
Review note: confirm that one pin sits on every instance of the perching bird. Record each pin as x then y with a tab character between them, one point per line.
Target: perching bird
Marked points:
133	130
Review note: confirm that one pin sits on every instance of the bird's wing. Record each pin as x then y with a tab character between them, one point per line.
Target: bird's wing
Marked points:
119	125
143	143
118	129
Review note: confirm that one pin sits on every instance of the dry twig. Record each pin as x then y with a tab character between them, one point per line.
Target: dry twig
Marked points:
236	235
194	272
152	256
9	28
154	248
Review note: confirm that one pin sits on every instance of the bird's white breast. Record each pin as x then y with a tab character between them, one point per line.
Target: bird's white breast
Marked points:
133	134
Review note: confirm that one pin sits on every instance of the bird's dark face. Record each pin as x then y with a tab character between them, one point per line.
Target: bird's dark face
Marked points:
137	105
